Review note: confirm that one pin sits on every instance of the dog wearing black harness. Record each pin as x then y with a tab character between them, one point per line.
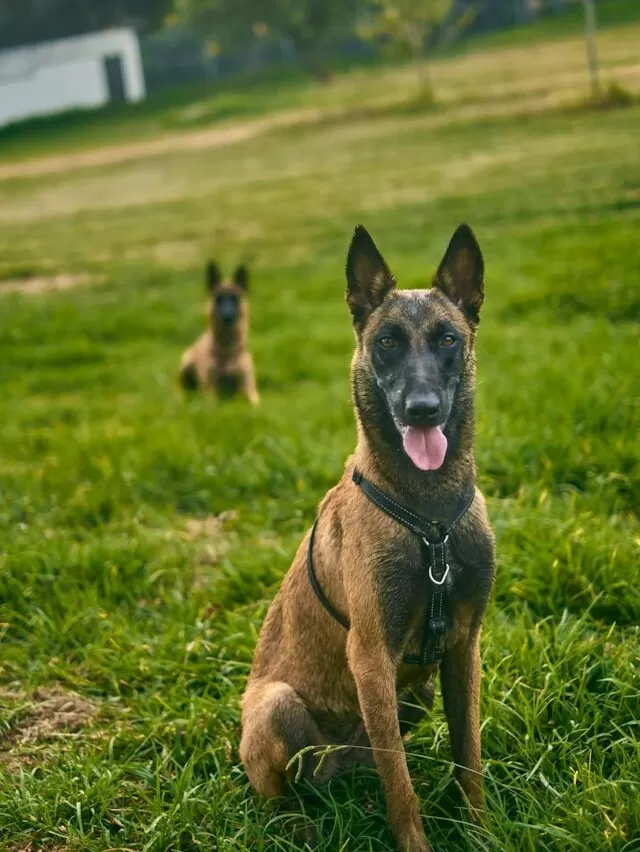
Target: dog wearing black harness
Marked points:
391	583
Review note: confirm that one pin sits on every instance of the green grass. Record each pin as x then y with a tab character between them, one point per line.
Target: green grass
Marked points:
106	589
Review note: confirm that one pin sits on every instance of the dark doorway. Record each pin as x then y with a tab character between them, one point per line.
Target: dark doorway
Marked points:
115	79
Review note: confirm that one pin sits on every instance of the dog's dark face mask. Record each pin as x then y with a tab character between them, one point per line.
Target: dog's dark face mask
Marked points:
226	296
227	308
413	345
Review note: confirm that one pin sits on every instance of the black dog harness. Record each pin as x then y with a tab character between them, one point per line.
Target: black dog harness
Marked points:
434	537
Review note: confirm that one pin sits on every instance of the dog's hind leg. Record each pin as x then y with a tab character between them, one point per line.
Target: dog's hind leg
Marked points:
355	752
276	726
412	708
188	377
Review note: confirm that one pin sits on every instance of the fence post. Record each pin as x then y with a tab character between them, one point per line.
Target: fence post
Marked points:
592	50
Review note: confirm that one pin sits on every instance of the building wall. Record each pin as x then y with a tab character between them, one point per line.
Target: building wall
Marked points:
69	74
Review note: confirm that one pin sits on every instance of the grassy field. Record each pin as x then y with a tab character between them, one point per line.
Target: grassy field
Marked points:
142	535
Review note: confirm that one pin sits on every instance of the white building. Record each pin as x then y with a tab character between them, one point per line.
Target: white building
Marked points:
73	73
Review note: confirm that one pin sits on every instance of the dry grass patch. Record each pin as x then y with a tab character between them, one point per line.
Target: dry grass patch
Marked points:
50	714
37	284
212	543
209	527
210	533
195	140
176	254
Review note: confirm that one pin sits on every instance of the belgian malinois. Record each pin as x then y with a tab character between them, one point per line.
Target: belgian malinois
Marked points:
378	598
219	359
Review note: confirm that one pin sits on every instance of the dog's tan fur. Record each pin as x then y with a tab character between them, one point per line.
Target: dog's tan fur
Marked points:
219	360
314	683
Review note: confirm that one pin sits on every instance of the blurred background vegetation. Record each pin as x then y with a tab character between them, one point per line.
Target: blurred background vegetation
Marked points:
191	41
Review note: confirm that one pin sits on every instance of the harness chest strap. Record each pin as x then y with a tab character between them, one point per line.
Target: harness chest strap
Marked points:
434	537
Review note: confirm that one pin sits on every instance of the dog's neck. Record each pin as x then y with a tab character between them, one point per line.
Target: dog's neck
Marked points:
430	494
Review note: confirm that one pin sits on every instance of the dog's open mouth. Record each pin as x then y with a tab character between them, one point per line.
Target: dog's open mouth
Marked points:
426	446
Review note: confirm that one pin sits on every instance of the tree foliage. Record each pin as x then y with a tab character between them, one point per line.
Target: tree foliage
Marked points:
413	24
408	22
29	21
233	22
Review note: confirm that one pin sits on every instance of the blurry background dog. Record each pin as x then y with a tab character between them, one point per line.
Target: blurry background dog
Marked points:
219	359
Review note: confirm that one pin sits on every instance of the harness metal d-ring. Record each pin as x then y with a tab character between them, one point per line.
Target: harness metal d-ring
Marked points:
441	581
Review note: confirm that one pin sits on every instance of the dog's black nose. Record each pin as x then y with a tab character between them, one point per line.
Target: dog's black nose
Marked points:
422	409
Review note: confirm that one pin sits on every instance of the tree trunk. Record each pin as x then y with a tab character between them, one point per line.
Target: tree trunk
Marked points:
424	83
592	49
416	41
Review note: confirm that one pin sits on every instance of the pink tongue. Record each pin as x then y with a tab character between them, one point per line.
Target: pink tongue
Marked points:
425	447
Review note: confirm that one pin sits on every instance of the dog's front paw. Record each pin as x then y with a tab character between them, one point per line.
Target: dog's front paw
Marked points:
414	840
471	786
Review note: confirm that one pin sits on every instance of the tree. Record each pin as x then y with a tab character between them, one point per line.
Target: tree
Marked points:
233	22
307	22
230	23
416	24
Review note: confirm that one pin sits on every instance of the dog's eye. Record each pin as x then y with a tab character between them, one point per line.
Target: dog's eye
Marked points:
387	342
448	340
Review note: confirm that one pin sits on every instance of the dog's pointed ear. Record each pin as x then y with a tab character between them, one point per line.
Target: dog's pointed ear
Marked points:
214	276
368	277
460	276
241	277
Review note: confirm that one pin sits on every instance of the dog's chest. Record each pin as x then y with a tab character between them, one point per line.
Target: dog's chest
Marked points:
227	382
404	591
